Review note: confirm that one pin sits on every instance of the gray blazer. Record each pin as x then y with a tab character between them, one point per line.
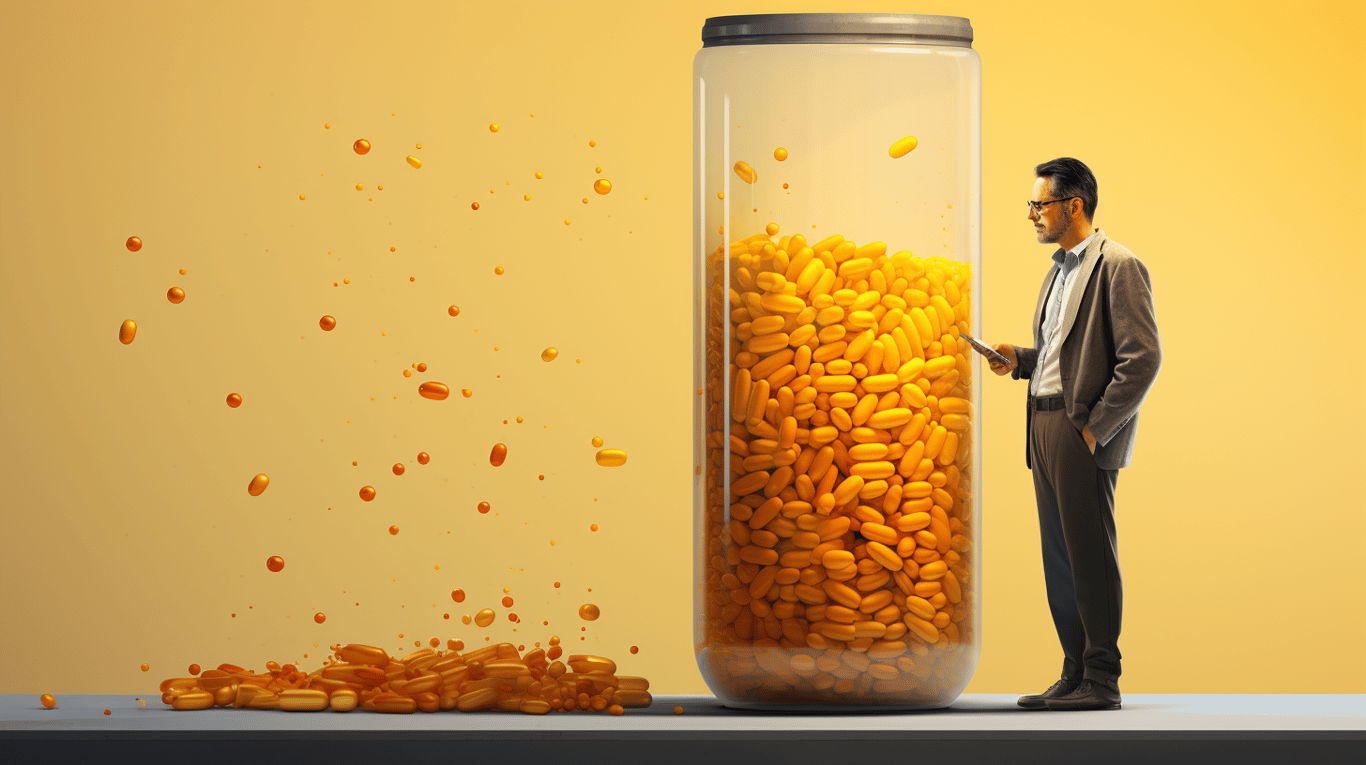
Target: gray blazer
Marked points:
1110	349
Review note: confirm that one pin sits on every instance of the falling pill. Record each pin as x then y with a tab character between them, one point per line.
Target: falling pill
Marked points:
128	331
902	147
746	172
414	161
433	390
498	455
549	354
258	484
611	457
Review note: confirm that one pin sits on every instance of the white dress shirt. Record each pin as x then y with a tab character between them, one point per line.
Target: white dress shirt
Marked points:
1047	378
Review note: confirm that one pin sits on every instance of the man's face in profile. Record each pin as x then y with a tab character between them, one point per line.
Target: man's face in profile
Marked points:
1052	220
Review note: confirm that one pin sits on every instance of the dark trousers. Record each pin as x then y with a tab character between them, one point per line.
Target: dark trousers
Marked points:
1080	558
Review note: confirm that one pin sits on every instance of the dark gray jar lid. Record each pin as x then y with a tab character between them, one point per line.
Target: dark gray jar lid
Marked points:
890	28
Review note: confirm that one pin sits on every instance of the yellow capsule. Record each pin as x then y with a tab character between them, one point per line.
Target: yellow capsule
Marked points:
890	418
434	390
127	331
954	405
258	485
484	618
343	700
779	302
303	700
611	457
780	154
196	699
956	422
881	383
902	147
549	354
414	161
602	186
746	172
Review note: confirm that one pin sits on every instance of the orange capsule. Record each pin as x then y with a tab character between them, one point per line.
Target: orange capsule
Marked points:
507	601
327	323
745	172
361	146
484	618
367	493
133	244
258	484
455	645
48	701
320	617
549	354
602	186
393	530
194	669
421	366
234	400
423	458
433	390
458	596
453	310
175	295
589	612
398	468
127	331
499	453
484	508
275	563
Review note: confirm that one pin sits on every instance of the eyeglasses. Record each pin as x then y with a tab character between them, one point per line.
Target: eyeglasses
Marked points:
1037	206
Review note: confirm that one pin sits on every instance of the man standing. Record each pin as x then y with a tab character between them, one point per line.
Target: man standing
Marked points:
1096	354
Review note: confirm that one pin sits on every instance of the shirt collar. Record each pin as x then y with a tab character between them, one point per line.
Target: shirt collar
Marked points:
1076	253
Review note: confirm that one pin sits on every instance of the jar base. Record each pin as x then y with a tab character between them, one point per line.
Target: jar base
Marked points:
747	706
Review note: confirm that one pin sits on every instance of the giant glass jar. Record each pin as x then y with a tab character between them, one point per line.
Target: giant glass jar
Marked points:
837	184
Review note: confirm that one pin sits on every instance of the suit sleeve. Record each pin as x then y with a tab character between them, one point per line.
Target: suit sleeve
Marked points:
1137	347
1027	359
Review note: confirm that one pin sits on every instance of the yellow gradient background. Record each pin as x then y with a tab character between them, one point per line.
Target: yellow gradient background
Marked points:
1226	138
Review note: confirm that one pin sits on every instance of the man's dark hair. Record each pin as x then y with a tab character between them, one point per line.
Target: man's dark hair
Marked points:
1071	178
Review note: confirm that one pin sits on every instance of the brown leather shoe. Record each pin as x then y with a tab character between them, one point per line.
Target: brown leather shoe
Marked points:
1059	689
1089	695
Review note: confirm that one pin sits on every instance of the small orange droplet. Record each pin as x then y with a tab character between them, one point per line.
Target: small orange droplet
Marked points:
602	186
784	185
780	154
361	146
327	124
133	244
320	617
407	373
720	195
275	563
498	455
423	458
108	712
393	249
519	419
540	477
526	197
398	468
346	281
494	127
466	392
593	527
353	463
258	485
458	596
145	667
48	701
127	331
465	619
557	586
635	649
434	390
182	272
301	196
328	323
771	229
484	507
421	366
453	310
539	174
507	602
381	188
194	669
549	354
592	143
393	529
589	612
678	710
498	270
234	400
367	493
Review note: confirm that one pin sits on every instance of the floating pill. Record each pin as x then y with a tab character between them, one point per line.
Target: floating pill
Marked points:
320	617
745	172
597	441
133	244
484	618
414	161
772	229
175	295
393	530
127	331
328	323
258	484
498	270
367	493
589	612
145	667
499	453
398	468
275	563
423	458
611	457
47	700
902	147
360	187
780	154
361	146
549	354
234	400
602	186
474	206
458	596
484	508
433	390
493	127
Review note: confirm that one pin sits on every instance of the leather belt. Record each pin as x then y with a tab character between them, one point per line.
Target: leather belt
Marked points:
1046	403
